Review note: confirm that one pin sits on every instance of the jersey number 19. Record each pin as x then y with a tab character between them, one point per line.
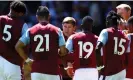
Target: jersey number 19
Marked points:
82	47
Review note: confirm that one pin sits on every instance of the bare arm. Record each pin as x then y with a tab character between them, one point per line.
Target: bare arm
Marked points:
20	49
98	54
63	55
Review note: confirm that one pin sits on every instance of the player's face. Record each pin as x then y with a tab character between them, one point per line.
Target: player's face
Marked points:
130	28
123	12
20	14
121	26
17	14
68	29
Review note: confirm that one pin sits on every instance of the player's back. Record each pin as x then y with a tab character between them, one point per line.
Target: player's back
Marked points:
84	50
115	49
10	32
44	41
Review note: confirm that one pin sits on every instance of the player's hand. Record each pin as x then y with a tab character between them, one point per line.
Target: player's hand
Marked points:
69	70
28	63
100	68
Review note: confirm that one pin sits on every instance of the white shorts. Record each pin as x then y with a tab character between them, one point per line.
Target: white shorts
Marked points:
40	76
119	76
128	79
9	71
86	74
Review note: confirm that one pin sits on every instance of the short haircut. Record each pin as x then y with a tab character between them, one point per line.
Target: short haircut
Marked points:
87	23
87	19
43	11
18	6
125	6
130	20
70	20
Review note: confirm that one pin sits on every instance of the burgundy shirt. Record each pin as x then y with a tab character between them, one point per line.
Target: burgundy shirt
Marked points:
10	32
45	61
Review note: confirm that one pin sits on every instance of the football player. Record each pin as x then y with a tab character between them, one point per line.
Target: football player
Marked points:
69	27
44	40
12	27
115	44
129	69
83	44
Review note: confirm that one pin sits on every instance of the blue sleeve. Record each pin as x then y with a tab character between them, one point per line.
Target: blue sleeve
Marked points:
61	38
24	29
25	38
128	49
103	37
69	44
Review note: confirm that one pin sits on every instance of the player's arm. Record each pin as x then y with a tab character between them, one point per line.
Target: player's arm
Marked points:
100	43
128	50
69	47
98	55
62	49
23	41
24	29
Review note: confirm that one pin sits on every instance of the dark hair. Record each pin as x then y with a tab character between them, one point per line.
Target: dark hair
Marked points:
18	6
130	20
112	19
43	11
87	23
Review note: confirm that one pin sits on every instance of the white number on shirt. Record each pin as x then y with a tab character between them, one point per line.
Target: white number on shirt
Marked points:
82	47
119	45
5	31
40	37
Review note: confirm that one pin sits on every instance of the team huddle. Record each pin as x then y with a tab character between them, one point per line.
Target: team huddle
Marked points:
65	54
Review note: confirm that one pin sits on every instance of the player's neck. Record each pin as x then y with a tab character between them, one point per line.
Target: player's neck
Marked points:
86	31
42	21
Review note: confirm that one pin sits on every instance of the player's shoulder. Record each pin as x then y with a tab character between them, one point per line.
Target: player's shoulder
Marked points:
34	26
92	35
78	34
33	29
73	36
53	26
125	31
130	35
49	26
95	36
106	30
110	29
4	17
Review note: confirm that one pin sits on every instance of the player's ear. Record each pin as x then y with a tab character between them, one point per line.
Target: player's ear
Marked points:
129	12
37	17
81	26
75	28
